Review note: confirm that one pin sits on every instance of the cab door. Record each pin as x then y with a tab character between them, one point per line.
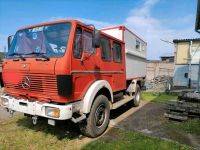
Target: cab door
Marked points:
112	65
84	61
119	65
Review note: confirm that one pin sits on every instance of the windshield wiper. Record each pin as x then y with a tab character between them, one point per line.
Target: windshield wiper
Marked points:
17	54
39	54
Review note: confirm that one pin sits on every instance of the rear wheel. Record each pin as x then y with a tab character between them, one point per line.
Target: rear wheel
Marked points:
136	100
98	119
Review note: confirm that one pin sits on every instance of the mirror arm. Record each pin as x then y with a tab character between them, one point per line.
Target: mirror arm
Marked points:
86	58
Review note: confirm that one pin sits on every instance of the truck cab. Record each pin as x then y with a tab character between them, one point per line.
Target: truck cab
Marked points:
67	70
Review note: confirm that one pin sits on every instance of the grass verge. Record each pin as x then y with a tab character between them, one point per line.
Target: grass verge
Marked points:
120	140
20	133
159	97
190	126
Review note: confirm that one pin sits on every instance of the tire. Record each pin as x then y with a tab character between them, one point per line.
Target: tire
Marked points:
98	119
169	85
136	100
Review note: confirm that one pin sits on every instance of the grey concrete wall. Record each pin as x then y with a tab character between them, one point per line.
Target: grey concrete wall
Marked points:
179	78
154	69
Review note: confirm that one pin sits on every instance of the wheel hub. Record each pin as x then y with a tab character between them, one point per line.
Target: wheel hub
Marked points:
100	115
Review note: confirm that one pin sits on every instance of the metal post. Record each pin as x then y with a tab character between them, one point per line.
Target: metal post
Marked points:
190	64
198	78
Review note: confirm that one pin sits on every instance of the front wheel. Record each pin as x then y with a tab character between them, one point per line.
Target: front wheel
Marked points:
98	119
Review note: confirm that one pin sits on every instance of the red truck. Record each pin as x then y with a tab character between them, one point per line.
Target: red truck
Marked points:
66	69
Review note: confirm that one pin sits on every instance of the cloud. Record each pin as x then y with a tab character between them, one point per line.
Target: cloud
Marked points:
152	29
145	9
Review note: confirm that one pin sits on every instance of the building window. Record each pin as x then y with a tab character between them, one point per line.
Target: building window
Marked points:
88	42
105	49
78	43
117	52
137	45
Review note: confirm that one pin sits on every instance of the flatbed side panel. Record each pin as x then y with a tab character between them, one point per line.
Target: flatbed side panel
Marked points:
135	66
135	57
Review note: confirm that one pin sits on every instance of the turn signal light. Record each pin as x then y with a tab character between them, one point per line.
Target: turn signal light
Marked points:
52	112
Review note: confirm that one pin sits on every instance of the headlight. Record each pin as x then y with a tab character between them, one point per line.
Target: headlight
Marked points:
4	101
52	112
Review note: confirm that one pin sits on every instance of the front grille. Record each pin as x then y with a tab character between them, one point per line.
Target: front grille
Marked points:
37	83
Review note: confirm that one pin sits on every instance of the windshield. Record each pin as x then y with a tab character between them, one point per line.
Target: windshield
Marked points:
50	40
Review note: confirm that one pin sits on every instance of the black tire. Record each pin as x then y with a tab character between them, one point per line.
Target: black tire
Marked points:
169	85
136	100
94	126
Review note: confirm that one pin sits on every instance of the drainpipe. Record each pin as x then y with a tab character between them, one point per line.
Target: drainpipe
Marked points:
190	65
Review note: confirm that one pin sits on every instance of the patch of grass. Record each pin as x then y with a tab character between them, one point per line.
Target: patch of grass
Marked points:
158	97
190	126
20	133
132	140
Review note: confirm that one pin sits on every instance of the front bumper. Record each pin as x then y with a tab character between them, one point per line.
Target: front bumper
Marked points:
36	108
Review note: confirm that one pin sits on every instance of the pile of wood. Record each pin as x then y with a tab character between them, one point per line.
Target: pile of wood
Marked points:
161	79
186	106
159	84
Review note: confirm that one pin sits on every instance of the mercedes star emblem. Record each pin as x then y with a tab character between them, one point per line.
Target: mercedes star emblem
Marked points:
26	83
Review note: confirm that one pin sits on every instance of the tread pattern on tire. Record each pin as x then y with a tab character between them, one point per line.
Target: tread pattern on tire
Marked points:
134	101
87	126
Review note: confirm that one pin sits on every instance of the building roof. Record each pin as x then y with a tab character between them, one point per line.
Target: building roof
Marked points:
167	55
185	40
153	61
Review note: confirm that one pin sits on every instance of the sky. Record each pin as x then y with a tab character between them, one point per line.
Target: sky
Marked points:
152	20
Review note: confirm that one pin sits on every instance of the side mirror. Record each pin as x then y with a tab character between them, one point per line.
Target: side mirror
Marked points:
96	39
10	39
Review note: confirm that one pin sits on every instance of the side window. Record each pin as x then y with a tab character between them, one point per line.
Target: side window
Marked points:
117	52
105	49
78	43
137	45
87	46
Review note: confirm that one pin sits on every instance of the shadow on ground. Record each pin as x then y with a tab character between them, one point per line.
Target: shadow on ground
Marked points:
62	129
